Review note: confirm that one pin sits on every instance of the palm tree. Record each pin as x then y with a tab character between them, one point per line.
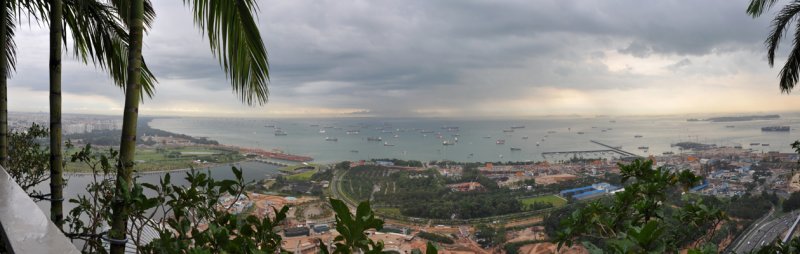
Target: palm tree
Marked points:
780	25
98	36
234	38
7	60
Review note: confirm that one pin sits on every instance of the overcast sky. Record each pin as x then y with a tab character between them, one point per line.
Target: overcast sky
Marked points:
447	58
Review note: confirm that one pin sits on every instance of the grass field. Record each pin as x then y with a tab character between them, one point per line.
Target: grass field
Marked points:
150	159
305	176
552	199
391	211
292	168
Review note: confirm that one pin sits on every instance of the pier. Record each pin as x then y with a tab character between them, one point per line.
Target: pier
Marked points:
617	150
593	153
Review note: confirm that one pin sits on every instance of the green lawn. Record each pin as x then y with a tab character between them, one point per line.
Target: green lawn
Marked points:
149	159
292	168
552	199
305	176
391	211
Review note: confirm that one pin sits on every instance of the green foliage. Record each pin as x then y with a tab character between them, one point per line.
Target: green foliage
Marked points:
28	159
425	194
403	163
792	203
749	207
351	229
435	237
638	219
344	165
174	212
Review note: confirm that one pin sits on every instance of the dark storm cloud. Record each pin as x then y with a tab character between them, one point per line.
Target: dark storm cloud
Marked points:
395	56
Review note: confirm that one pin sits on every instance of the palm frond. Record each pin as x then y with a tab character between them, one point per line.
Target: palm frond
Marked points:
9	44
99	37
758	7
789	72
235	39
123	10
780	25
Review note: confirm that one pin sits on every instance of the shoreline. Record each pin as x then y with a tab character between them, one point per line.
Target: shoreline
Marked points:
206	167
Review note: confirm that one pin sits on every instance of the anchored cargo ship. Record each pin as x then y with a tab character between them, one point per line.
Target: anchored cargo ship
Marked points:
776	128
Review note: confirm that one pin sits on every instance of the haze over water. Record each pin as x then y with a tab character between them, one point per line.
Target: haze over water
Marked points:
304	137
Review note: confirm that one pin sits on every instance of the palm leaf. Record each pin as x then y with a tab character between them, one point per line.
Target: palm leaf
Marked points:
757	7
779	27
99	37
123	10
235	39
10	46
789	72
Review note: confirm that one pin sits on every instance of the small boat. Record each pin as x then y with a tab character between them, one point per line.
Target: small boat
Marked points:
447	143
331	139
270	126
638	136
314	125
354	151
738	146
352	132
500	142
374	139
730	126
487	137
643	148
551	132
668	153
424	132
537	143
524	137
518	127
516	149
322	131
580	133
386	131
508	130
387	144
396	136
280	133
612	121
754	144
764	144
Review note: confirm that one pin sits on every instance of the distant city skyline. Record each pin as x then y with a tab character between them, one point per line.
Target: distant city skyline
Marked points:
448	58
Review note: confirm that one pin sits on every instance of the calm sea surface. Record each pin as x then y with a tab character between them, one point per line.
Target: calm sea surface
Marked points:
477	138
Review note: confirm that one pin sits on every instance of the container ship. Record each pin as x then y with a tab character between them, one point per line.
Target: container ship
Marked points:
776	128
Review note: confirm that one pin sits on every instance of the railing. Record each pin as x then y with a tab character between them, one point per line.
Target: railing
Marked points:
24	227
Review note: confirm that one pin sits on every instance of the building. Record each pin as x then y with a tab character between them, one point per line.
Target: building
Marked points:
297	231
587	192
321	228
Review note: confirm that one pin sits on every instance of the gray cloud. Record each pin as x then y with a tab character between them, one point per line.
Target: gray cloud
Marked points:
678	65
398	56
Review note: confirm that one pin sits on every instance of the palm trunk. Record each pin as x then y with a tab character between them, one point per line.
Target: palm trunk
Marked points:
119	219
3	84
56	179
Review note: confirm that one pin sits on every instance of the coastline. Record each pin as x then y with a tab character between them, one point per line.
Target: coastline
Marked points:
205	167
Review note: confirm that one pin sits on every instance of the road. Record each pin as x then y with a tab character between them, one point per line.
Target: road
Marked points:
765	232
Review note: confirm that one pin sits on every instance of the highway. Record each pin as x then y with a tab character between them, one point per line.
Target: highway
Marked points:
765	232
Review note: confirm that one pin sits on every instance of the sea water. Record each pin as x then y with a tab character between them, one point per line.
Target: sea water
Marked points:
477	139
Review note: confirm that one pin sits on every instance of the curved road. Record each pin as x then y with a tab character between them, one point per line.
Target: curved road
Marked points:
765	232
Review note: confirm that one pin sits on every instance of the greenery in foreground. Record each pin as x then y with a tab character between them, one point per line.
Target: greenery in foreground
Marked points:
639	219
182	208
